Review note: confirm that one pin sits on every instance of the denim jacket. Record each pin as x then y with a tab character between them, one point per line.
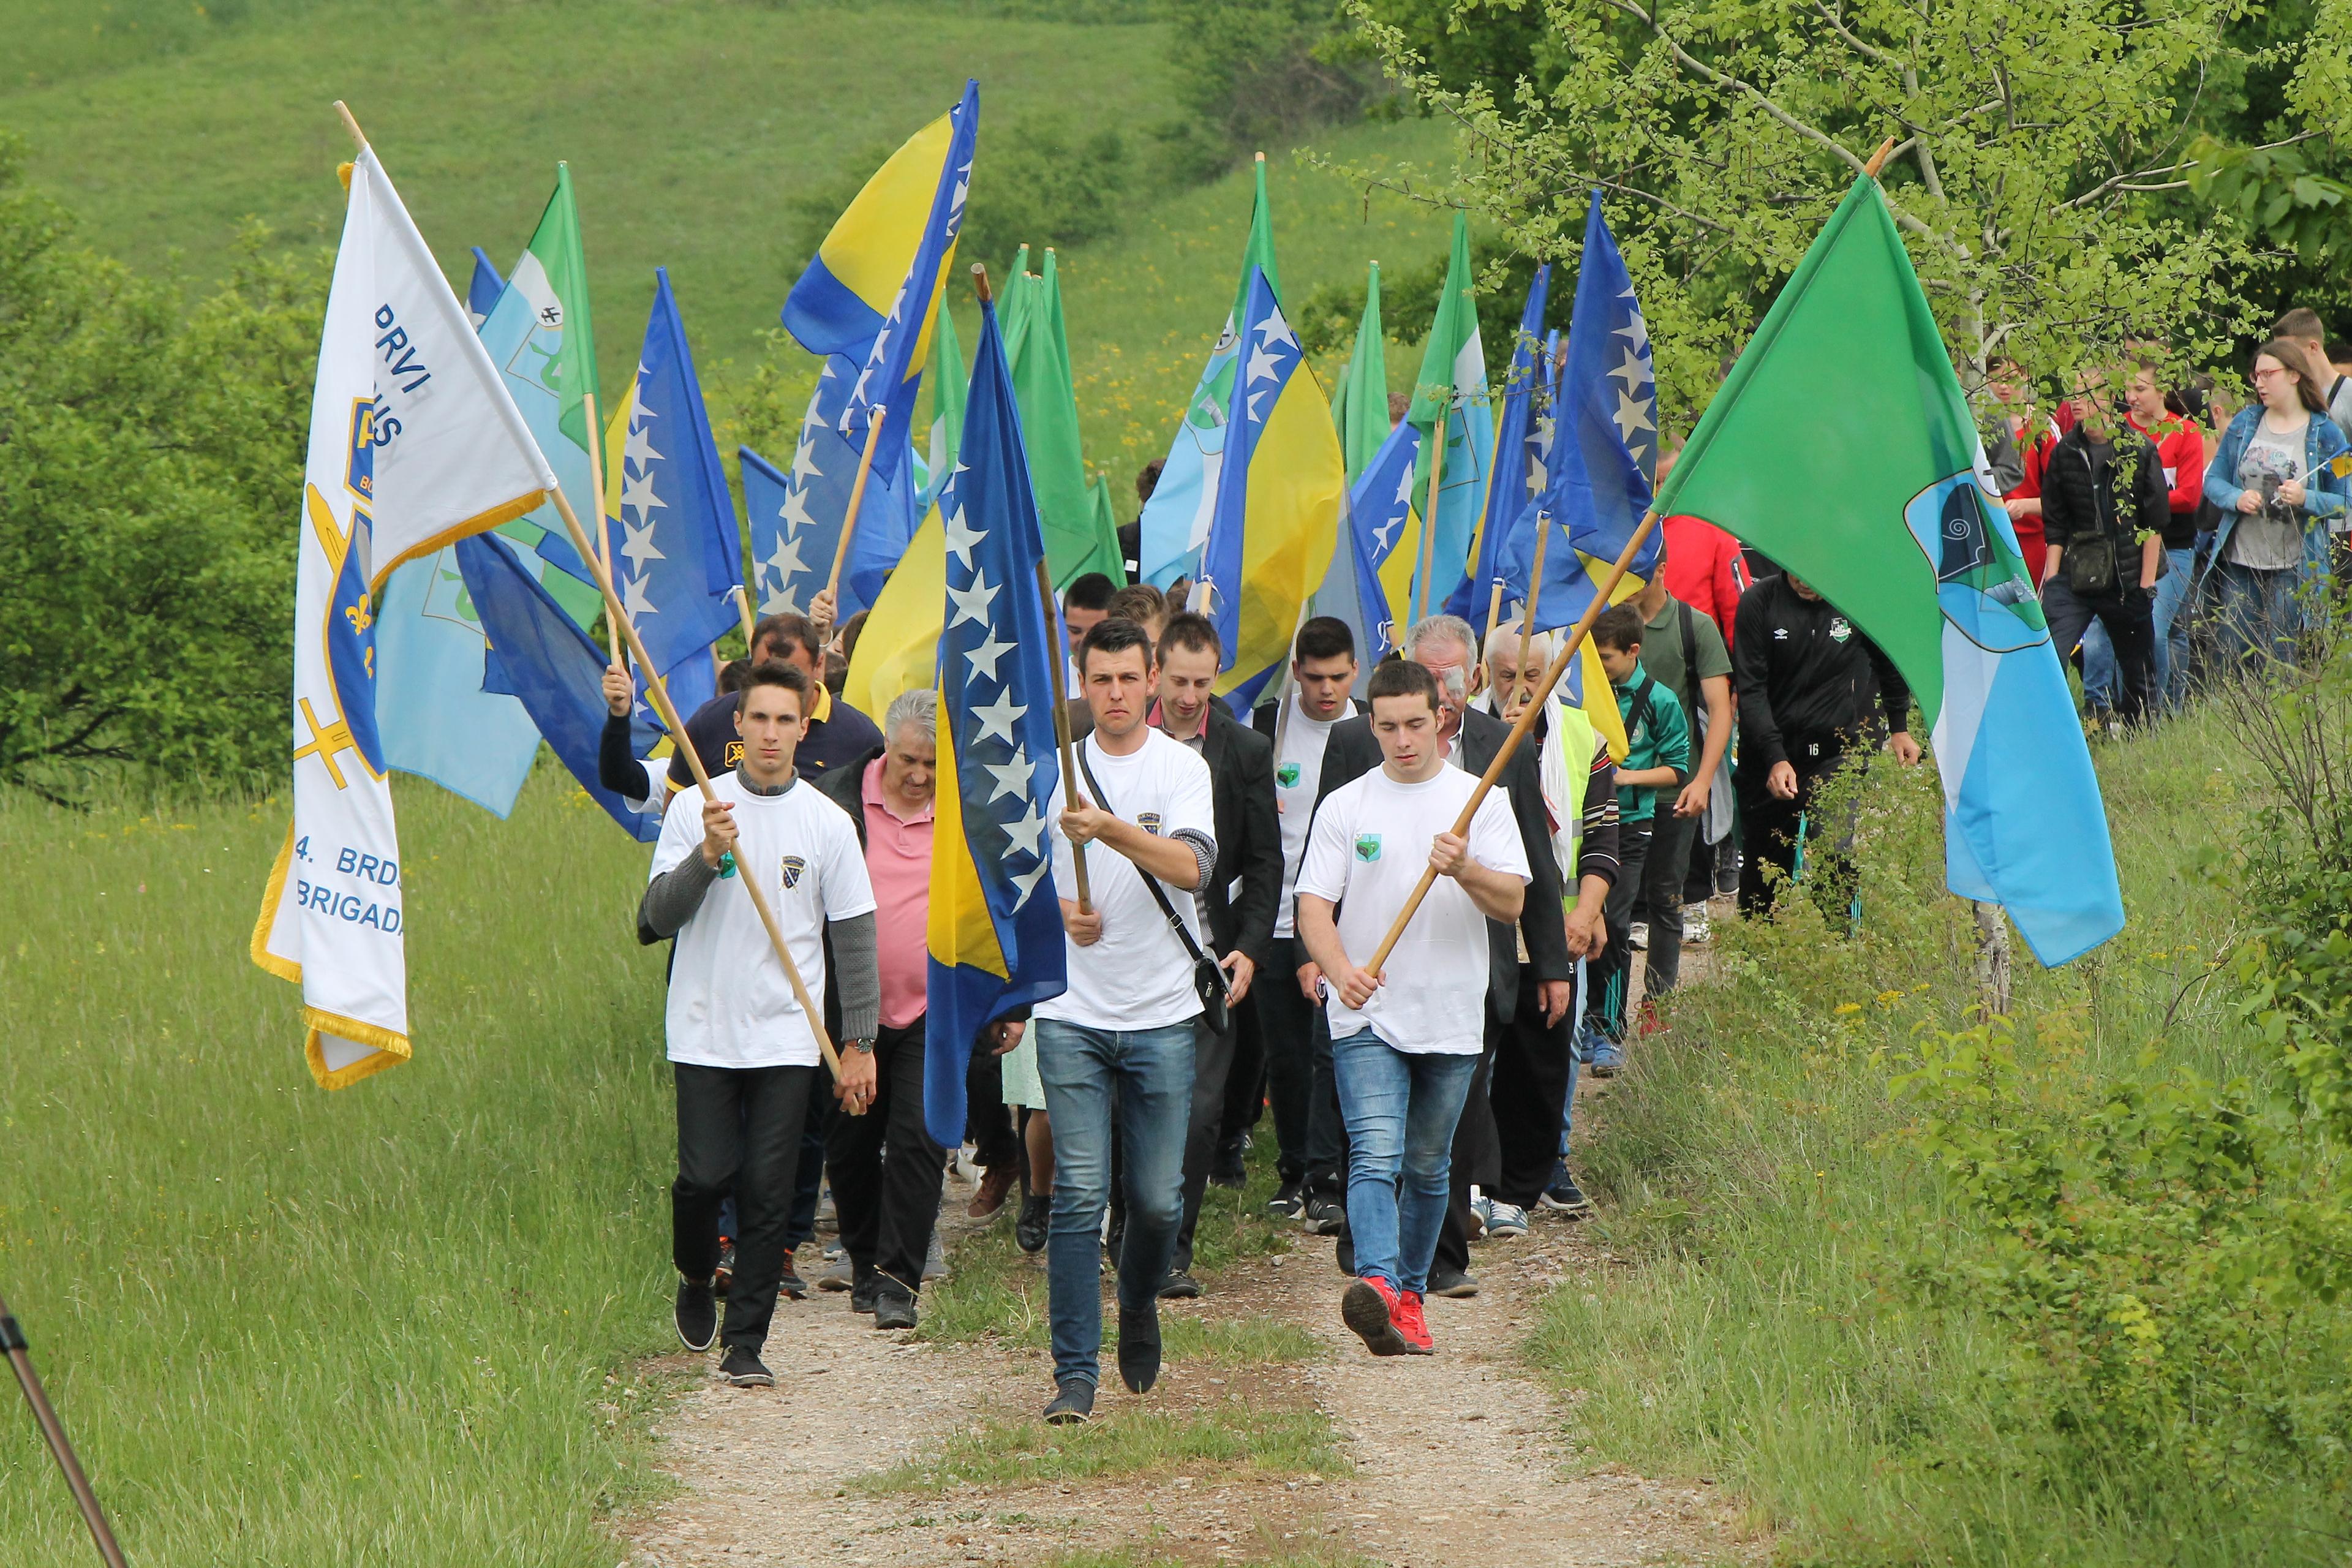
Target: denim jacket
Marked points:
2326	494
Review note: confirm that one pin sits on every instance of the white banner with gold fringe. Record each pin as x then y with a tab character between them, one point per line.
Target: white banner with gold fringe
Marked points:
414	442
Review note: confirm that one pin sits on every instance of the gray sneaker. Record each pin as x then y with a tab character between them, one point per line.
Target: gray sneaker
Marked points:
1504	1219
934	1261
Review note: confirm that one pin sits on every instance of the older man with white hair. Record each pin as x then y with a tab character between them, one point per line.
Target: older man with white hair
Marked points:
887	1172
1544	984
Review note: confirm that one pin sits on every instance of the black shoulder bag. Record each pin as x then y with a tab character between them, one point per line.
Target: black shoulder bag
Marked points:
1208	974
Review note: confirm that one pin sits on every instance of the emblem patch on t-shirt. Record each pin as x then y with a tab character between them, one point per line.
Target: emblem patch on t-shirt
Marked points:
1368	846
1840	628
734	753
793	866
1149	821
1287	775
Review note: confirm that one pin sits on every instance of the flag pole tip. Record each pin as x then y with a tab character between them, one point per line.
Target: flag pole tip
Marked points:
359	137
1878	158
980	281
1261	157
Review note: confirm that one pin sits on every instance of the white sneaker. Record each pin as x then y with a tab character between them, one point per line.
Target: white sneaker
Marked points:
1484	1207
1640	940
1695	926
1505	1219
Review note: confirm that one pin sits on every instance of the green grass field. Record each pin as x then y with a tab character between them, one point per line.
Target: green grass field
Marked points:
394	1325
689	127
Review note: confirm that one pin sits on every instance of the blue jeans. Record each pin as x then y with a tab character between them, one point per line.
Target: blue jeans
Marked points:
2260	617
1146	1074
2172	630
2099	668
1400	1109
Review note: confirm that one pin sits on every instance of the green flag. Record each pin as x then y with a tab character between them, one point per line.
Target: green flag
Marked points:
1046	390
1452	389
1888	513
950	383
1361	407
553	275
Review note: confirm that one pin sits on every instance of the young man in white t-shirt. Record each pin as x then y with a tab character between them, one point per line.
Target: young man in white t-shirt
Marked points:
742	1052
1405	1042
1123	1030
1322	676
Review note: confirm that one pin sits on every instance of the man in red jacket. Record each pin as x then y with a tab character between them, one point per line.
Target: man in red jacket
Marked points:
1704	568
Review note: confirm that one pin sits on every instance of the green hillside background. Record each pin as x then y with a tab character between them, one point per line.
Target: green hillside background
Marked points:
689	128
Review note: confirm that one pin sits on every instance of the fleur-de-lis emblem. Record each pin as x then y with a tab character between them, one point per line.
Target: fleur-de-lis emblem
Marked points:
359	617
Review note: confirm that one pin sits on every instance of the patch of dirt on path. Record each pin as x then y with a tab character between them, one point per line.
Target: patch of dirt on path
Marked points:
1459	1458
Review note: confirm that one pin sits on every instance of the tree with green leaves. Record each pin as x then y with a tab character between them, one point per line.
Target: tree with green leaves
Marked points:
151	481
2035	153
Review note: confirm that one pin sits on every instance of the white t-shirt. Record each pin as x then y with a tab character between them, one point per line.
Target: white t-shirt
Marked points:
1137	976
1297	775
1369	846
731	1004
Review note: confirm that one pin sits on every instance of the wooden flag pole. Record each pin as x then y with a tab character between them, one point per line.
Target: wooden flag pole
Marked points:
14	1345
1535	592
1878	158
743	603
1493	614
1518	733
1062	738
659	691
603	535
1429	513
857	502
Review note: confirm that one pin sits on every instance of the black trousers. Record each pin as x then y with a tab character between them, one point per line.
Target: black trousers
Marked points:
739	1129
987	1120
1212	1062
1246	1084
1659	899
2129	616
1770	831
887	1171
1528	1094
1612	977
1299	1086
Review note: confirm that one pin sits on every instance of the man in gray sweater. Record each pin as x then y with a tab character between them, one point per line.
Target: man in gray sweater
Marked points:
744	1053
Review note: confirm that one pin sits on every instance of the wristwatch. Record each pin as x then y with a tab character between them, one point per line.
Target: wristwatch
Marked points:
863	1048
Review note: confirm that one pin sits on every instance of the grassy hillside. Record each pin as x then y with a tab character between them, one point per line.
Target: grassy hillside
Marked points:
689	127
389	1326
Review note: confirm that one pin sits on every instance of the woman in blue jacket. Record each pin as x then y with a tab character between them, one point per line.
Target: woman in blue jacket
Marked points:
2274	480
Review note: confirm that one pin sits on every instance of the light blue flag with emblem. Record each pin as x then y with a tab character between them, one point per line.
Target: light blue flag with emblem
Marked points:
674	552
994	929
1379	513
797	517
436	720
1507	489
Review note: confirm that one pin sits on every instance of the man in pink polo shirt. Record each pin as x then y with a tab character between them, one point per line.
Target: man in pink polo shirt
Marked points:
888	1201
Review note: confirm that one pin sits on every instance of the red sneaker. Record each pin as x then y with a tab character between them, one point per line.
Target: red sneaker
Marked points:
1650	1023
1369	1307
1412	1325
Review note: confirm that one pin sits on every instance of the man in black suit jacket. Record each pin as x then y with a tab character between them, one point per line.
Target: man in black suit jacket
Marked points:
1249	858
1547	980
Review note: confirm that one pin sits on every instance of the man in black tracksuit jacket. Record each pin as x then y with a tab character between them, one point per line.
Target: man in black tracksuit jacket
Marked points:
2104	500
1811	687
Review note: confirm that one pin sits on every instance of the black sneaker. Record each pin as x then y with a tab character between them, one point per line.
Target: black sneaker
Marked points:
1563	1195
696	1315
1289	1200
1138	1347
1455	1283
1074	1405
865	1291
790	1283
1029	1226
1227	1168
1324	1214
744	1370
894	1309
1180	1285
726	1275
